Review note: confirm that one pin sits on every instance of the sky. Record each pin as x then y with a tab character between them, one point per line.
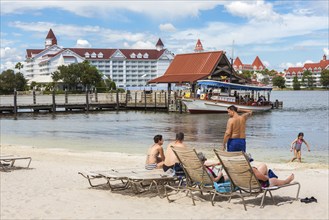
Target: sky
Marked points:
282	33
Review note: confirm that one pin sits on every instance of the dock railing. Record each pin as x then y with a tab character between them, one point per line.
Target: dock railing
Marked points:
37	101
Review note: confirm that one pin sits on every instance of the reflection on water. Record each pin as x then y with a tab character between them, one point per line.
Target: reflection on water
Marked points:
269	134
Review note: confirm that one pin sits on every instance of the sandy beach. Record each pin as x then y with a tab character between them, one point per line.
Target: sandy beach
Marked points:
53	189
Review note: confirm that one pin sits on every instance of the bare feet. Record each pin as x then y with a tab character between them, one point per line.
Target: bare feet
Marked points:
290	178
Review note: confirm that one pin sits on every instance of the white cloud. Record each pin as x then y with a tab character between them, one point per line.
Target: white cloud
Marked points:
298	64
326	51
82	44
258	10
167	27
156	9
143	45
9	57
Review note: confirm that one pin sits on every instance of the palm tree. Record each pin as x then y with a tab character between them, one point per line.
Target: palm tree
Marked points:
19	66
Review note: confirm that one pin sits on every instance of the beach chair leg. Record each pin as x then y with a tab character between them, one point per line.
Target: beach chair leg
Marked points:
298	191
244	203
167	194
29	162
192	197
263	198
271	196
213	199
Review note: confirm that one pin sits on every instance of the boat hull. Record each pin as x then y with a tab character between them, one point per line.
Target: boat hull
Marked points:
195	106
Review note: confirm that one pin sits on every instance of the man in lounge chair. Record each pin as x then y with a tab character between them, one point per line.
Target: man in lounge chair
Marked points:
265	179
170	157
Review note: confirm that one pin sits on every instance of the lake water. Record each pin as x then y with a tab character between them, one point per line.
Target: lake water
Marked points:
269	134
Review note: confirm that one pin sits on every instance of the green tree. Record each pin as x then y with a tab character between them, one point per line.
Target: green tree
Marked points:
307	79
90	76
324	78
247	74
19	66
78	74
295	83
9	81
279	81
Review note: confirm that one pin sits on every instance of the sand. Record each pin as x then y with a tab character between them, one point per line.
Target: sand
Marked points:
53	189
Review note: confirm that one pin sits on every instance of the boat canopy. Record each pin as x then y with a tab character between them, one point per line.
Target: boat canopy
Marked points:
219	84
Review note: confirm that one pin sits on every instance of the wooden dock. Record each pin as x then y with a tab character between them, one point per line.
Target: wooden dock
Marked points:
135	100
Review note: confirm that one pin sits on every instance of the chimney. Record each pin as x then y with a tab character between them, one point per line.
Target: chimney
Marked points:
324	57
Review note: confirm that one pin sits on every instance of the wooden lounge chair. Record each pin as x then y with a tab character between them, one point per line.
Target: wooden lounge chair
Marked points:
197	177
135	179
11	159
240	172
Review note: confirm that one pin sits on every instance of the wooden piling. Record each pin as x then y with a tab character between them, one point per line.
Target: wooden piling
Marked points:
54	101
15	101
87	100
155	101
117	100
145	99
34	98
66	97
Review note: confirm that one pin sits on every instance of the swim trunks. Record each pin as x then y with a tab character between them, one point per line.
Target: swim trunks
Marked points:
151	166
264	184
236	144
165	167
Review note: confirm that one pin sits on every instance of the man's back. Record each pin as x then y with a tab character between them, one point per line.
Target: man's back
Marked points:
171	158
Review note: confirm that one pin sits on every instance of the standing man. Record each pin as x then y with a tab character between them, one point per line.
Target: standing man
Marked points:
235	134
198	93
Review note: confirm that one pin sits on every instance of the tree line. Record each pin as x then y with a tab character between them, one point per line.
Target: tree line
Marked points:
83	76
74	77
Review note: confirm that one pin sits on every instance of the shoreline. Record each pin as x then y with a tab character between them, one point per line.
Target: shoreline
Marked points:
52	189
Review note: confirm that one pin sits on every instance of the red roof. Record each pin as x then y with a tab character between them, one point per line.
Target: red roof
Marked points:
292	70
190	67
51	36
237	62
258	63
30	52
323	64
198	46
107	53
159	43
152	54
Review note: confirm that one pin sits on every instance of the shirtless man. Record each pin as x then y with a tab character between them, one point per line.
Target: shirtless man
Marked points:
261	173
171	158
155	155
235	134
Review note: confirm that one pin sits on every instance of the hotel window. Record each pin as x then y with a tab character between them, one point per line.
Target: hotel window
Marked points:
145	55
133	55
87	55
93	55
139	55
100	55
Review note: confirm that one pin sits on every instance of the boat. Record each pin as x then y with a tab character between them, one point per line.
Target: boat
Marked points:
217	96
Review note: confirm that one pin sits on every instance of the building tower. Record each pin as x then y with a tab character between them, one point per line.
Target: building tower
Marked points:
198	47
50	39
159	45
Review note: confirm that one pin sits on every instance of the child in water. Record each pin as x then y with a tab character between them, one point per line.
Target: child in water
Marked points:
296	145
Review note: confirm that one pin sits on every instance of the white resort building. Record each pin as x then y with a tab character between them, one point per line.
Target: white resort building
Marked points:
128	68
314	68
